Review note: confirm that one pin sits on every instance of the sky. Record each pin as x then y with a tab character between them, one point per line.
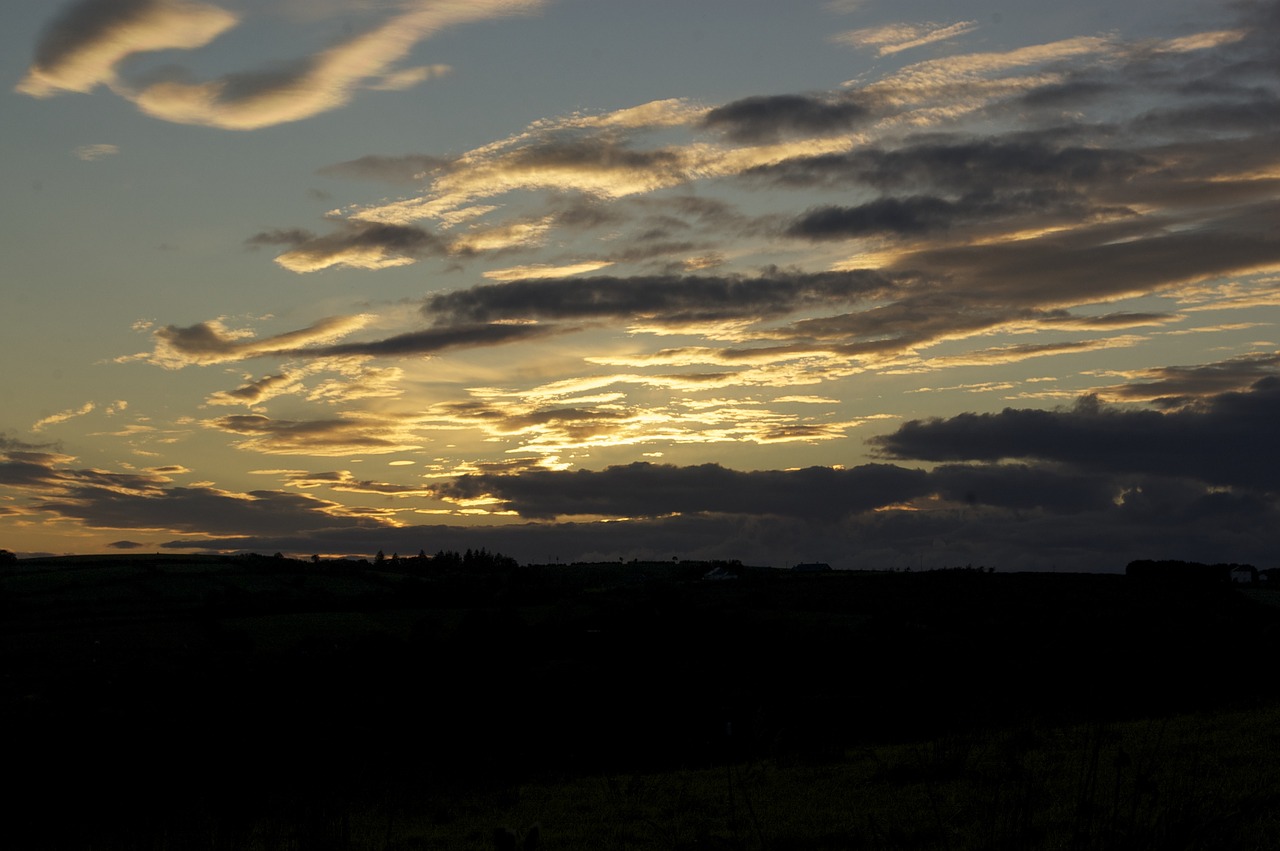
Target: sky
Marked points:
880	284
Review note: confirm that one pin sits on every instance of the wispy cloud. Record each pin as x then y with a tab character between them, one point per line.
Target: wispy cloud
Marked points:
894	38
63	416
89	153
213	342
86	45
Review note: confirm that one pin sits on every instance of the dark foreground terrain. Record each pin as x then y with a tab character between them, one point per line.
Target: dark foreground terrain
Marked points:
263	703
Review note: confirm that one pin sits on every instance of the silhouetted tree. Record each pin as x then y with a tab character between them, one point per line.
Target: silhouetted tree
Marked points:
7	557
380	557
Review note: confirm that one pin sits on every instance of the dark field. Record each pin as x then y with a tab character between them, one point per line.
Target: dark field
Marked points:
258	703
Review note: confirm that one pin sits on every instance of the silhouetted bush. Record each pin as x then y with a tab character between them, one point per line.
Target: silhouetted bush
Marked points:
1181	572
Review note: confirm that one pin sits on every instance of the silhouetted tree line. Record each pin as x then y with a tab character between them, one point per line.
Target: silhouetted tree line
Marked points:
7	557
480	559
1183	572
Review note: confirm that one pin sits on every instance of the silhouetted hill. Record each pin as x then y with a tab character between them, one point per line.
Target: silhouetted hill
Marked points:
234	683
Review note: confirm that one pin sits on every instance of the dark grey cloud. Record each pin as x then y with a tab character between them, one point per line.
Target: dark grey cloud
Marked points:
1024	487
767	117
125	545
1072	94
409	168
209	342
671	299
921	214
23	469
203	511
1165	519
352	244
583	213
1105	321
1175	386
43	473
431	340
1015	161
8	443
280	236
599	153
1225	440
924	312
647	490
1258	115
1096	263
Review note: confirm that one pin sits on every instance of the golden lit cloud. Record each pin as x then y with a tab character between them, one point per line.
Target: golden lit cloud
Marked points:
325	81
213	342
597	170
63	416
83	48
1202	41
893	38
89	153
349	434
355	256
516	273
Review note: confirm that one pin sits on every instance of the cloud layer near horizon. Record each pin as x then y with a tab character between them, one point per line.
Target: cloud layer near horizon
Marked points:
1122	472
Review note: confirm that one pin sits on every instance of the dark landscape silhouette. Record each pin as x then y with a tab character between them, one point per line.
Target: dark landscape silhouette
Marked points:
464	700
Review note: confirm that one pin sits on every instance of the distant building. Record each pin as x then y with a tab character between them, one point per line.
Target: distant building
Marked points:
812	567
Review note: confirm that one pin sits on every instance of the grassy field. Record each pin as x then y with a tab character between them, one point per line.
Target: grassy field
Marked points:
259	703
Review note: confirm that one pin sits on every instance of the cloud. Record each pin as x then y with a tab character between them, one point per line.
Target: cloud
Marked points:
343	481
1176	386
565	157
433	340
89	153
407	78
212	342
597	412
63	416
642	489
31	470
517	273
84	45
966	165
13	444
894	38
358	245
1221	440
258	391
352	434
1189	528
203	511
768	117
322	81
664	300
923	214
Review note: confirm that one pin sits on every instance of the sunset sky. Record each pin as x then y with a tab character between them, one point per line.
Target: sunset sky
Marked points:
881	284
